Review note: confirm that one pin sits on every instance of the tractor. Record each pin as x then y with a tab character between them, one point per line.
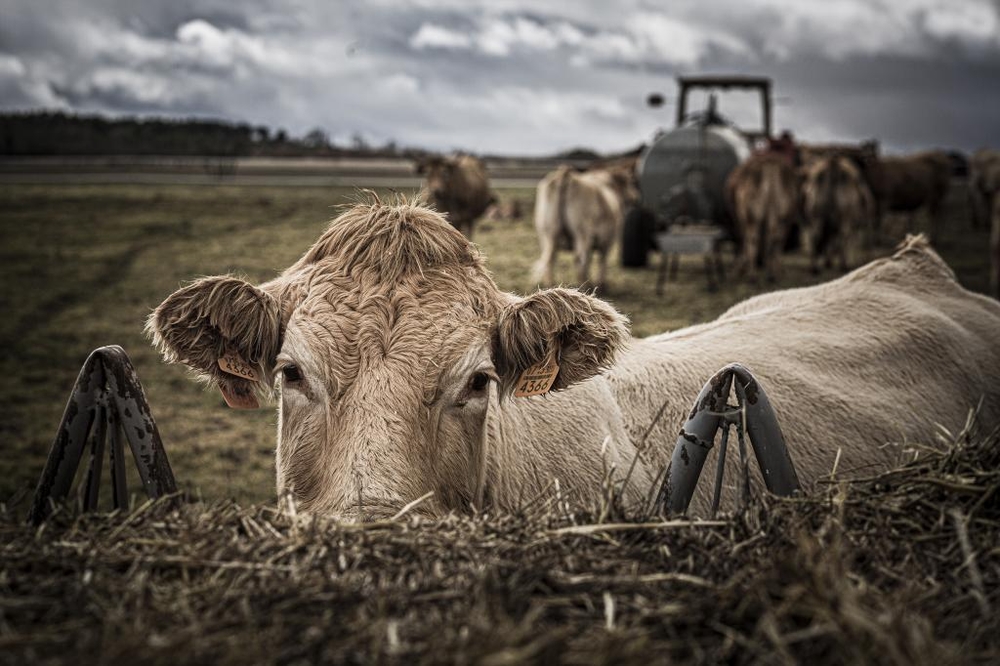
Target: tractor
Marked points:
682	177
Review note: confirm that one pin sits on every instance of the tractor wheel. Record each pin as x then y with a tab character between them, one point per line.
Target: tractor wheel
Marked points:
637	238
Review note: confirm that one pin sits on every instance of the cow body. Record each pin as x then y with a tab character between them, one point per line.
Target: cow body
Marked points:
396	359
911	183
459	187
838	209
581	211
763	196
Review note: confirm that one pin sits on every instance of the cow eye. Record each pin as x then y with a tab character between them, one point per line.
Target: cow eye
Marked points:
291	373
479	381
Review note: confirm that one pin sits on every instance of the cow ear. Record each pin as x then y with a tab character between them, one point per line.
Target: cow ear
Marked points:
581	333
224	328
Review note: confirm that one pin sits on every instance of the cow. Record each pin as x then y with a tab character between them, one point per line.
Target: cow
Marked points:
995	247
984	183
909	184
984	198
398	364
582	211
763	197
459	187
838	209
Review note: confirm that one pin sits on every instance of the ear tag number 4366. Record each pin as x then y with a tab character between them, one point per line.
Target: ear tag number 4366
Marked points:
232	363
537	379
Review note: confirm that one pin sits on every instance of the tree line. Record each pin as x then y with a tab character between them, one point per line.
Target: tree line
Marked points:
58	133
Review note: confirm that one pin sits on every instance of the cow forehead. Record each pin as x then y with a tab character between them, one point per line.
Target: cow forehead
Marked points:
414	330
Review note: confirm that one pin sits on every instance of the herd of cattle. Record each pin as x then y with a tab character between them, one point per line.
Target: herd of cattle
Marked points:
406	377
831	200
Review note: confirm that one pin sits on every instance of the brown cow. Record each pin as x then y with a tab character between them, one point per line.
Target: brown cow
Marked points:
911	183
984	183
459	187
838	209
582	211
984	195
763	197
396	360
995	247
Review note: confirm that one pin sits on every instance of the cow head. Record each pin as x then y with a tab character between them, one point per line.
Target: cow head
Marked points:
622	176
388	345
439	173
626	184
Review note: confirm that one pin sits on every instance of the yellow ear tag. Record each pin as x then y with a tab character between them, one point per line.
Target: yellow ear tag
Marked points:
537	379
232	363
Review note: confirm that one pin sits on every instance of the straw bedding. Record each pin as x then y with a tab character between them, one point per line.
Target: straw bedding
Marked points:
902	568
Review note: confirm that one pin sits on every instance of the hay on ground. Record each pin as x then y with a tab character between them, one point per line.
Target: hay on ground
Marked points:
902	568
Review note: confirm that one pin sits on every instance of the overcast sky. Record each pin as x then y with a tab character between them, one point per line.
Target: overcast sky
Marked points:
511	76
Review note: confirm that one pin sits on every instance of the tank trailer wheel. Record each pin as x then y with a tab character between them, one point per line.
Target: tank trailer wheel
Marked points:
637	238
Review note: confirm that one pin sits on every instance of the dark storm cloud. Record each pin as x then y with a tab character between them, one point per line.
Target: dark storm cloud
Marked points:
510	75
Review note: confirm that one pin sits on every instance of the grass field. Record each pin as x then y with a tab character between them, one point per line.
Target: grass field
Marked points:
82	266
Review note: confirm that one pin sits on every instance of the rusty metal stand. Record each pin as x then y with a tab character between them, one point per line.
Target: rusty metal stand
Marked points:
107	395
753	416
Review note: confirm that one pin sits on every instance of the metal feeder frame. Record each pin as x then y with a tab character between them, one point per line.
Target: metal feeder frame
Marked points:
106	399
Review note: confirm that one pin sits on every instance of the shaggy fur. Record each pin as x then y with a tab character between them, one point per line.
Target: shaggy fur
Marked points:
763	194
583	333
403	368
587	210
459	187
838	209
198	323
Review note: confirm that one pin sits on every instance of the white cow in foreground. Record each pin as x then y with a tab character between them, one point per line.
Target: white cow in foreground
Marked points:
396	355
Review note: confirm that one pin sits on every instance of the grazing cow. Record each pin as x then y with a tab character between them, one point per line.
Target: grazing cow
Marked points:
763	198
838	209
581	211
459	187
911	183
398	362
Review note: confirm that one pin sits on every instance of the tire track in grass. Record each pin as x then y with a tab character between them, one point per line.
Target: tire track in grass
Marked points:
111	271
